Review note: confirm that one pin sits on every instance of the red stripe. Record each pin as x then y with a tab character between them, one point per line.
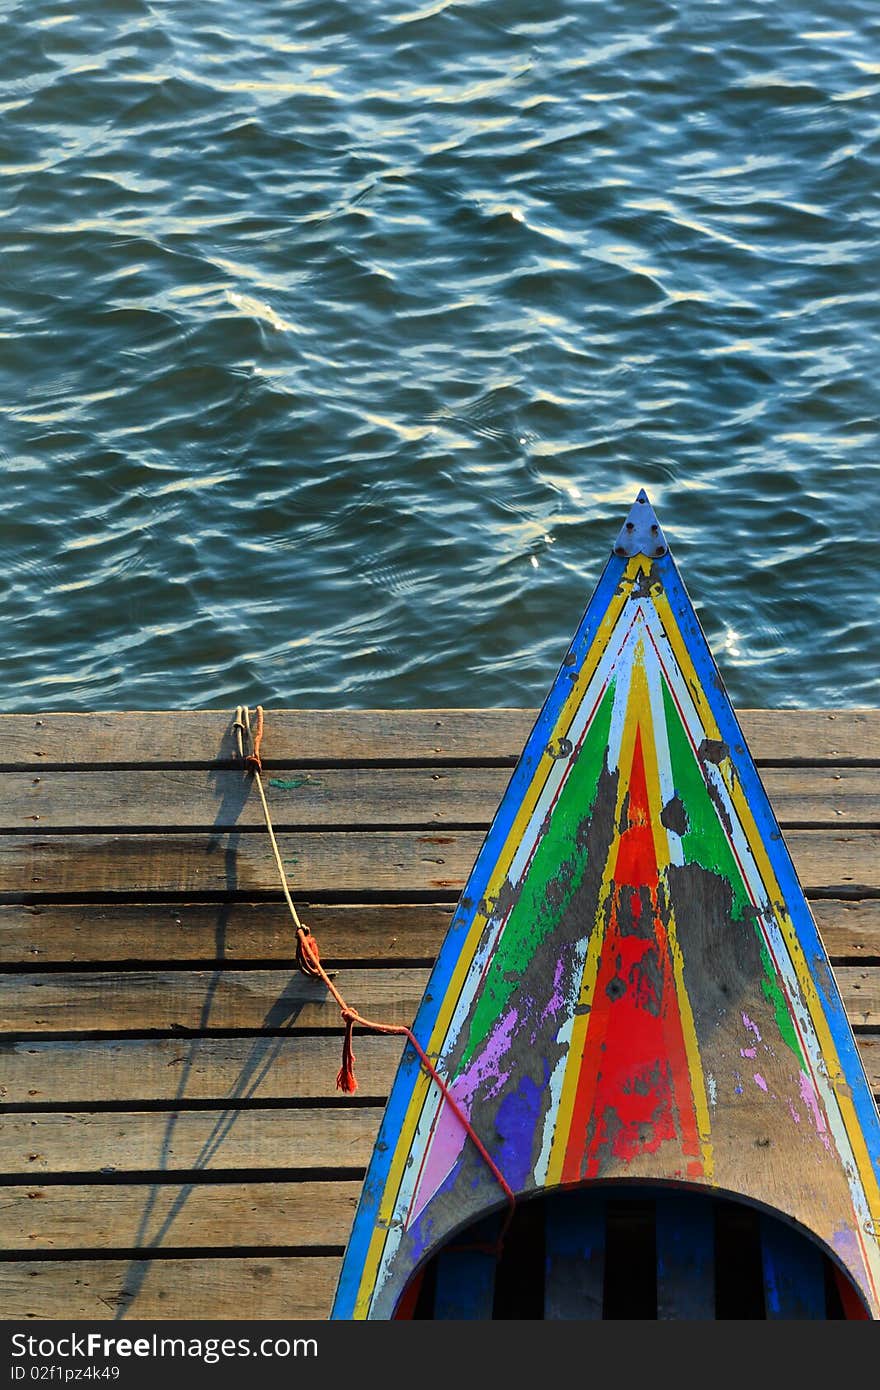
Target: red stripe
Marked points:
634	1090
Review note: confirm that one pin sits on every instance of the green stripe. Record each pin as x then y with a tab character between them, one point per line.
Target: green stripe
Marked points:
532	918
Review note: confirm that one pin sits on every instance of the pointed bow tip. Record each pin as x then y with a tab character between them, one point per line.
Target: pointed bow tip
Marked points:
641	533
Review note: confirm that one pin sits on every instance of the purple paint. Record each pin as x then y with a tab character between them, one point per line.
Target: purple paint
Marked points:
485	1066
557	998
759	1081
811	1101
846	1243
748	1052
421	1230
795	1114
448	1139
515	1123
752	1027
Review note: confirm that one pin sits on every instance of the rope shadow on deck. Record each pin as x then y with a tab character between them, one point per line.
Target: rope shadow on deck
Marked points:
257	1066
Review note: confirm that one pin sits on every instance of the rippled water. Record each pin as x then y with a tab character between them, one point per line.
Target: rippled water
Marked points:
336	340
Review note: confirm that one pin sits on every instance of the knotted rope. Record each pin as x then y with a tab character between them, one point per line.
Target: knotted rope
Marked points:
308	959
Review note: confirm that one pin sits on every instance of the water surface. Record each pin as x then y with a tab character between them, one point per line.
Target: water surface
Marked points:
336	340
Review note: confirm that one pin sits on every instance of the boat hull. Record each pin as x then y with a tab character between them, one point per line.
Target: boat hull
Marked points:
632	987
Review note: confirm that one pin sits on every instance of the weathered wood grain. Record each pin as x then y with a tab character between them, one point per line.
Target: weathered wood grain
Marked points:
177	1071
187	1141
844	862
176	1216
285	1288
223	799
200	1000
860	989
417	736
145	932
228	931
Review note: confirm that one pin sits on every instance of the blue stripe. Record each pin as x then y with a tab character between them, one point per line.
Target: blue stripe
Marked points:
462	921
778	854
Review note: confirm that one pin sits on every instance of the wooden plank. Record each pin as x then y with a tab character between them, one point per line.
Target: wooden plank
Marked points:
174	1071
823	795
221	799
794	1281
848	928
574	1245
841	863
304	736
396	861
291	736
860	988
174	1216
685	1234
199	1000
186	1141
271	1287
228	931
145	932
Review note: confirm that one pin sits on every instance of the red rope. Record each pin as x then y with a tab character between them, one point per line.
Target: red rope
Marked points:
309	961
253	759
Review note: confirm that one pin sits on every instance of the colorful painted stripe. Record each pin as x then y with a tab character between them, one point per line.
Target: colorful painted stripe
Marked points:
632	974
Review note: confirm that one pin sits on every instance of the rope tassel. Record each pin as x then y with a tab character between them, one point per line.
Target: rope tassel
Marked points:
346	1080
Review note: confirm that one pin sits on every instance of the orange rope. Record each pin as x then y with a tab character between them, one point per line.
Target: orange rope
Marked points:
253	760
308	960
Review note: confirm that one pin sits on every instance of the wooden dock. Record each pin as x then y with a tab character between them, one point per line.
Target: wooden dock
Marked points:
171	1140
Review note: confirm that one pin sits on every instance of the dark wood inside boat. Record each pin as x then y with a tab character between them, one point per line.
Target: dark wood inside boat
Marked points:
657	1254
